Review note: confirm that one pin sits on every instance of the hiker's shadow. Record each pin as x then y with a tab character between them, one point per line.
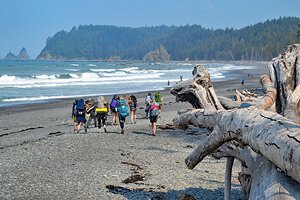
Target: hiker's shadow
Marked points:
197	193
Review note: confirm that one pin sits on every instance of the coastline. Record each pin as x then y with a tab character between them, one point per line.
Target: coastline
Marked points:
41	158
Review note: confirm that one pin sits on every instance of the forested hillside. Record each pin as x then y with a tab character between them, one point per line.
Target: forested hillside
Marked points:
261	41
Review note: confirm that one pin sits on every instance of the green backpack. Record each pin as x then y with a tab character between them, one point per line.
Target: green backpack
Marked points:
158	97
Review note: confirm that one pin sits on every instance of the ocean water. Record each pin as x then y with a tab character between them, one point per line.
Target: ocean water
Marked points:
23	82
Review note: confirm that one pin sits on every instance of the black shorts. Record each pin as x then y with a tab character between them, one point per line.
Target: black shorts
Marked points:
153	119
113	110
101	115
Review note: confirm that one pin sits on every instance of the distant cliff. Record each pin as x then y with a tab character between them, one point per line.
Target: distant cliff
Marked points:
261	41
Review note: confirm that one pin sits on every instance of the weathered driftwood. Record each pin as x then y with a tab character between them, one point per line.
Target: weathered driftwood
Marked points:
284	72
272	136
267	133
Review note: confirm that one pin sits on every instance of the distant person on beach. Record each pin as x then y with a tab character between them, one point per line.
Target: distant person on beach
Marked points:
242	81
154	113
79	110
123	112
180	78
132	103
113	108
148	102
168	83
101	112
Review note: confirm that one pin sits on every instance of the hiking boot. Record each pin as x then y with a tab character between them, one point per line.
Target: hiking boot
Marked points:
105	130
122	131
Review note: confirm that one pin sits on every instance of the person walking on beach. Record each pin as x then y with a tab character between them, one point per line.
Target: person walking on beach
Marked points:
123	112
132	103
148	102
154	112
90	106
101	112
242	81
73	116
113	108
158	99
79	110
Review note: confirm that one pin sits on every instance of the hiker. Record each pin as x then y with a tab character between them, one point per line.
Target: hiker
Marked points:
73	116
242	81
132	103
90	106
158	99
113	108
79	111
148	102
123	112
101	112
154	112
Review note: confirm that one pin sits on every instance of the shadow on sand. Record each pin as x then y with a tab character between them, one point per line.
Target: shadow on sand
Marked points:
197	193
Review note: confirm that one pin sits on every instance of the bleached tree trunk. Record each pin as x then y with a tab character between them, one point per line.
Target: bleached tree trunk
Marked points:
274	139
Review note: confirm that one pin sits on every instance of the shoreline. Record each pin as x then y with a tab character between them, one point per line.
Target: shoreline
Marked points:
45	99
41	158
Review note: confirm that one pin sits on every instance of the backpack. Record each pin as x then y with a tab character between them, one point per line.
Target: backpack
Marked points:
80	105
123	109
80	108
154	112
101	107
114	103
148	100
158	97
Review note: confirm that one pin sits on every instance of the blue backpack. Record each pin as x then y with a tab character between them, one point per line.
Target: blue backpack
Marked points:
123	109
80	105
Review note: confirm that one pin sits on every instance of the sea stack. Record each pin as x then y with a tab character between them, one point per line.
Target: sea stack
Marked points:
23	54
10	56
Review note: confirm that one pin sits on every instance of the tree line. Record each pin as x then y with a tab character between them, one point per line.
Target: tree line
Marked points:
261	41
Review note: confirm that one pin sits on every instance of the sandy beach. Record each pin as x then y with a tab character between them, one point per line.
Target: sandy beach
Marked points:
41	157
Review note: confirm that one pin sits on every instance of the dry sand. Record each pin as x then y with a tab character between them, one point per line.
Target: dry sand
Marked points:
41	158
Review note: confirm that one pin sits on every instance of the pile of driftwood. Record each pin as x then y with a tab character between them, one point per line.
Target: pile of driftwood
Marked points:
263	135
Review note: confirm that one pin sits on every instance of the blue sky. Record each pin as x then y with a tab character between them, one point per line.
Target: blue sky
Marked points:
28	23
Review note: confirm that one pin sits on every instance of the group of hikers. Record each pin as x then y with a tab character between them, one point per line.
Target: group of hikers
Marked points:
96	110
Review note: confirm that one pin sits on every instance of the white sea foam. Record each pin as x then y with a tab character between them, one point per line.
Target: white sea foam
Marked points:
103	70
73	70
91	65
45	76
75	65
6	78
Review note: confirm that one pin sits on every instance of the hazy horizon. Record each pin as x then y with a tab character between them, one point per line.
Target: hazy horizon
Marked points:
29	23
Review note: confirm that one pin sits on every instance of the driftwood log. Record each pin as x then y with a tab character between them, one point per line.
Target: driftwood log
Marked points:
266	143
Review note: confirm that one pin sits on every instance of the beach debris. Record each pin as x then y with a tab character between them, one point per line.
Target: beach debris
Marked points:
133	178
57	133
245	96
186	197
132	164
117	188
23	130
165	126
261	140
